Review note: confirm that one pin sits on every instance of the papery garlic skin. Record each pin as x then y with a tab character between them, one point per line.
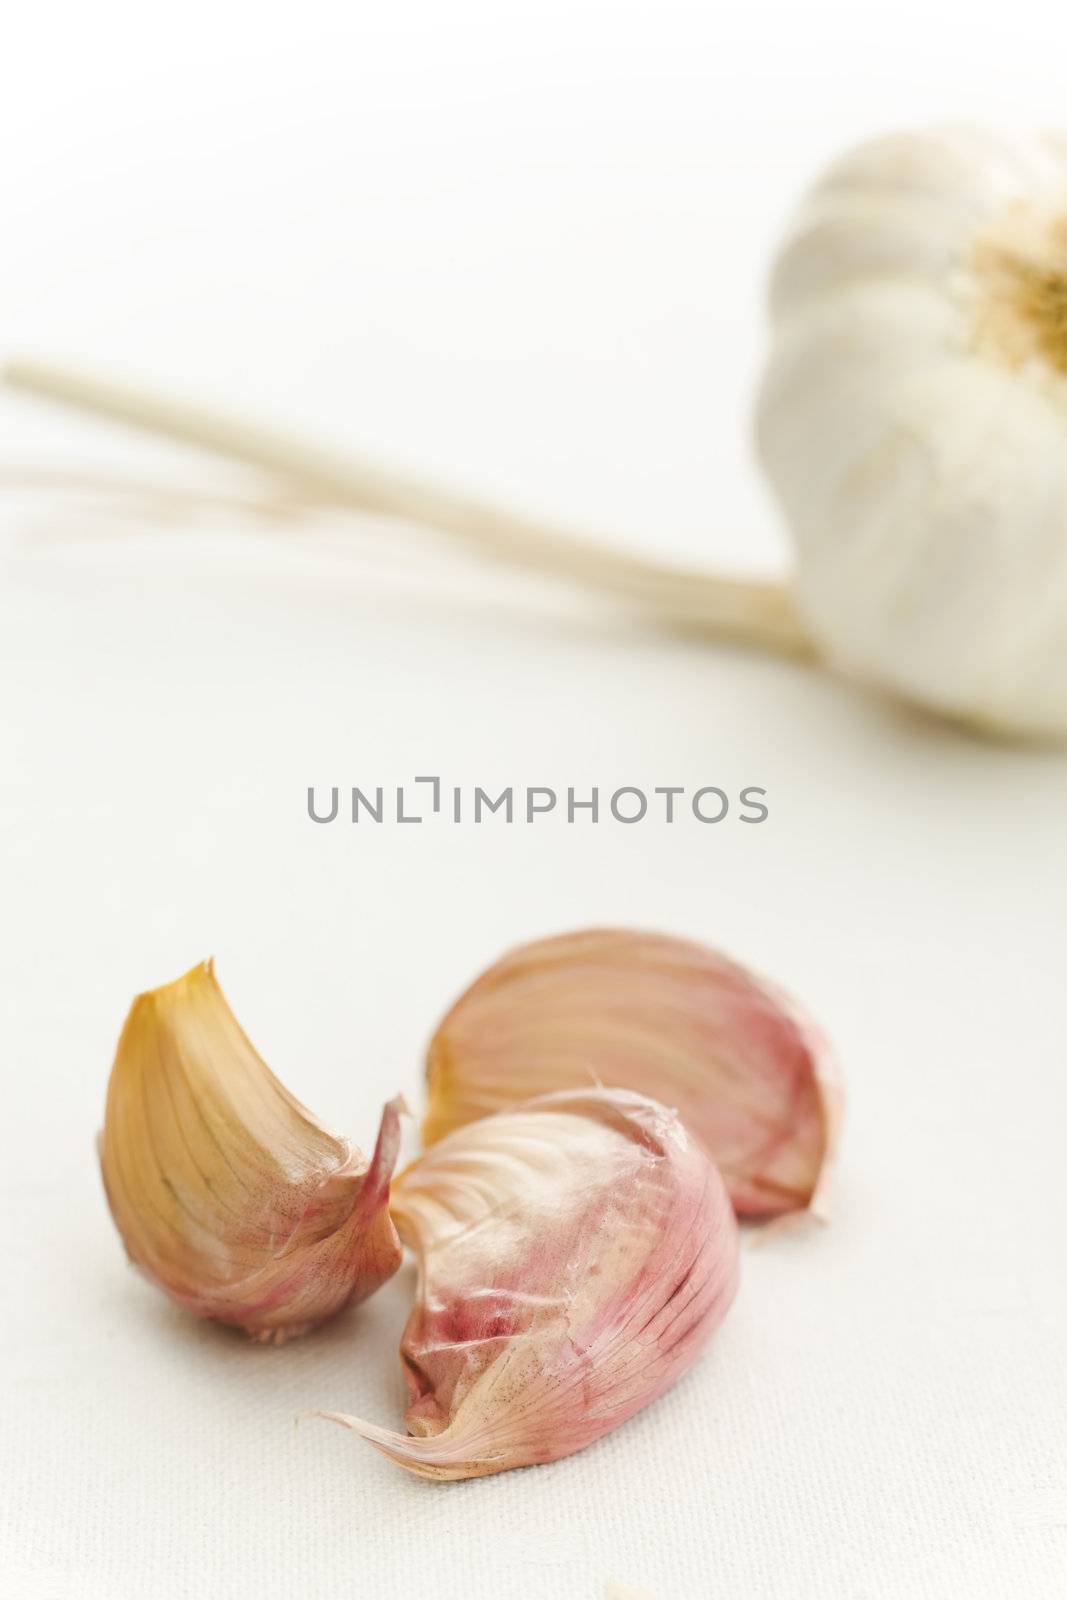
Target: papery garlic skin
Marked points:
913	421
575	1256
748	1073
225	1190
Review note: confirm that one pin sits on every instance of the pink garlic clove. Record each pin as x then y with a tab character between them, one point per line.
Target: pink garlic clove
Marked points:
575	1255
226	1191
746	1070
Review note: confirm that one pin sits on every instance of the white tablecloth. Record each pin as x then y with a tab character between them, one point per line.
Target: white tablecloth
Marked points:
524	251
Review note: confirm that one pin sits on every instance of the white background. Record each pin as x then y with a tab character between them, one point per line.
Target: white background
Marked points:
523	246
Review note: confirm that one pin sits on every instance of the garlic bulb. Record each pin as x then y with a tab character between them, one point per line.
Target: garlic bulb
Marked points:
747	1072
913	421
575	1255
225	1190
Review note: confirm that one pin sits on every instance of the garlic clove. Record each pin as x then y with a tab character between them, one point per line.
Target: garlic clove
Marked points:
225	1190
575	1255
747	1072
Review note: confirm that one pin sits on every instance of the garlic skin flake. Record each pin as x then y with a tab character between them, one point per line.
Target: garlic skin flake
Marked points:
575	1255
748	1073
913	421
225	1190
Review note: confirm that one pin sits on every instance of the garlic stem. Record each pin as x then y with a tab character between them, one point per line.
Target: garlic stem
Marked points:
758	612
163	497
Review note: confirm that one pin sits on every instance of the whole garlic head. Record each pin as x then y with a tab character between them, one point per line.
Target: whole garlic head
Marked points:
913	421
575	1255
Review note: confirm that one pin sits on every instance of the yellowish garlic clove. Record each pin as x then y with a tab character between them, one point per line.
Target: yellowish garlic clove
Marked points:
225	1190
575	1255
747	1072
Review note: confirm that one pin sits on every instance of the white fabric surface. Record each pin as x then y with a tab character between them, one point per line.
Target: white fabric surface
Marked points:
884	1412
